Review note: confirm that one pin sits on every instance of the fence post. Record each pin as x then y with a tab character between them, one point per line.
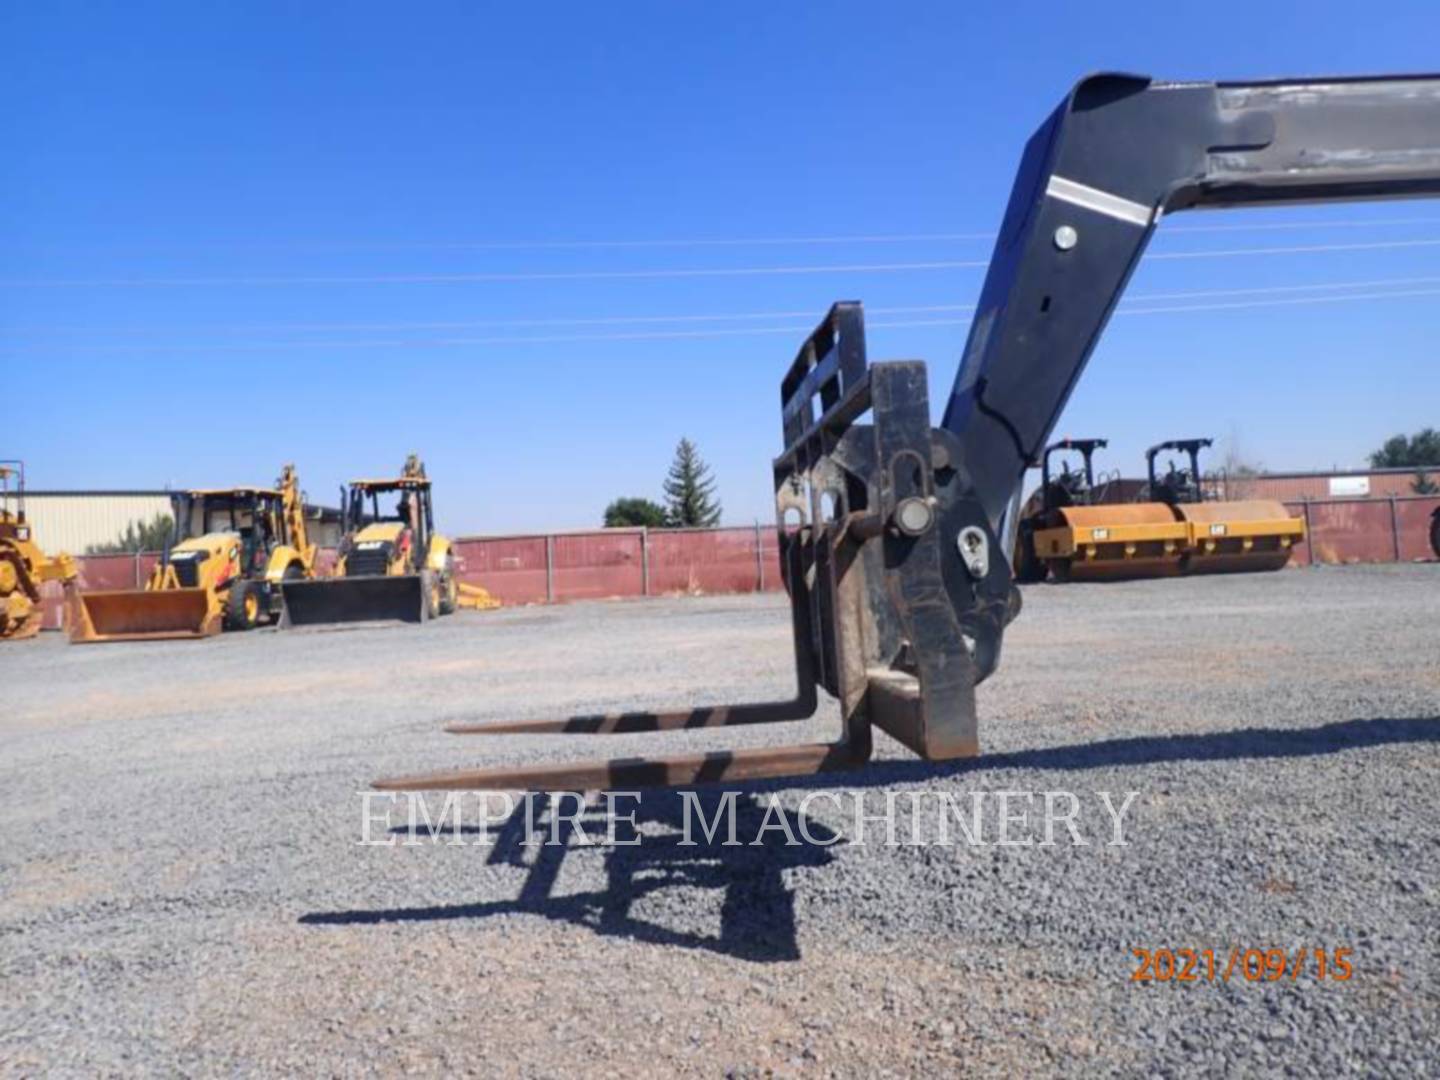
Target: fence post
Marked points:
135	569
549	569
644	561
1309	533
1394	527
759	559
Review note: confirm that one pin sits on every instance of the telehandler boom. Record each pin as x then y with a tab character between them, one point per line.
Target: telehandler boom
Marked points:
894	535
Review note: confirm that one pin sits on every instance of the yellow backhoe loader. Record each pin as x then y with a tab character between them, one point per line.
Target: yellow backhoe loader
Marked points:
23	566
233	548
392	566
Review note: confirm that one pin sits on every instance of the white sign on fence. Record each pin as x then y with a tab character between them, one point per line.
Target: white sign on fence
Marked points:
1349	485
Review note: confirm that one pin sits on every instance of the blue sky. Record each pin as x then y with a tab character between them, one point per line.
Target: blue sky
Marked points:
204	210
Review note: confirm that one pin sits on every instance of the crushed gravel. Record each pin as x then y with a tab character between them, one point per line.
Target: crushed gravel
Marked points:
183	886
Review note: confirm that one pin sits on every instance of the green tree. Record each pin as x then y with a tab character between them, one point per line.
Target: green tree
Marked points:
150	535
633	511
690	490
1423	485
1416	451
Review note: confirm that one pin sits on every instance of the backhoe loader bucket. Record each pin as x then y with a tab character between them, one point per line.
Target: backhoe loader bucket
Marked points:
1114	541
394	598
142	614
1239	537
899	591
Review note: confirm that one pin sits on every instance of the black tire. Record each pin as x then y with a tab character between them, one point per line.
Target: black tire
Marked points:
244	605
1028	568
1435	533
449	590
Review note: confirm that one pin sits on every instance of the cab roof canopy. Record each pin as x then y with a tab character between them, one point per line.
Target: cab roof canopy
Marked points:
397	484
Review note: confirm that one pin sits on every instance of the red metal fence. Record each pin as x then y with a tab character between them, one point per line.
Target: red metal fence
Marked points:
620	562
612	563
1394	529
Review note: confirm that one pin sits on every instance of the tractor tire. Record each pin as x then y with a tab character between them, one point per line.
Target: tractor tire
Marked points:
449	590
243	606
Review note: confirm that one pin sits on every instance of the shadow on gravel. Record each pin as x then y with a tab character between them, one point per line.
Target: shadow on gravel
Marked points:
757	912
1254	743
757	919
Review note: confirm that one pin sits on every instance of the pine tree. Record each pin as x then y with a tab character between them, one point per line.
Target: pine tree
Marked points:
1418	451
690	490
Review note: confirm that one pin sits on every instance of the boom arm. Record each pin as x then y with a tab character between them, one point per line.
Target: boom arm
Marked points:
293	510
1118	153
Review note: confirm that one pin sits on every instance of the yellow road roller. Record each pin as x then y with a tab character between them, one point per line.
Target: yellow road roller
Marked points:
1070	531
1075	529
1223	537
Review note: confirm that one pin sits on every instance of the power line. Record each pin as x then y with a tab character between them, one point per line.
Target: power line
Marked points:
1283	302
625	320
797	329
599	320
704	272
1300	249
741	242
508	275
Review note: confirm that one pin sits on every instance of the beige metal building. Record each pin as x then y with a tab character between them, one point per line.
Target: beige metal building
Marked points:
73	520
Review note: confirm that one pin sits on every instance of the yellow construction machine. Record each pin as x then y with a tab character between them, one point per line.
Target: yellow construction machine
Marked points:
1223	537
391	566
232	550
1075	530
23	566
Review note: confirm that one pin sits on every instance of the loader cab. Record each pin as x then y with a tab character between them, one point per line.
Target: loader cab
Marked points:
404	502
1180	483
252	514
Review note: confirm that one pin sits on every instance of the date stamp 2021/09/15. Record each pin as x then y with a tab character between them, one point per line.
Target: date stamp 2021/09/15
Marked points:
1250	965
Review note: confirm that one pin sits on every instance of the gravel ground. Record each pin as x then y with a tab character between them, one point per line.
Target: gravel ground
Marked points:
183	887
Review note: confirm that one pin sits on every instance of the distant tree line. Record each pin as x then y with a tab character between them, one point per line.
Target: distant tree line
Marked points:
1420	452
150	535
